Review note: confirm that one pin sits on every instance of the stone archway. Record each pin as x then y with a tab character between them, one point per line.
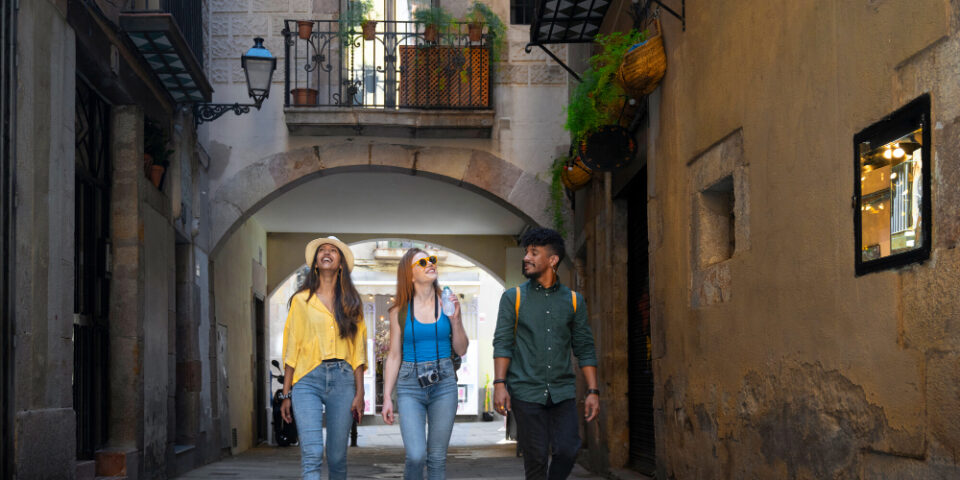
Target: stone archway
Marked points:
505	183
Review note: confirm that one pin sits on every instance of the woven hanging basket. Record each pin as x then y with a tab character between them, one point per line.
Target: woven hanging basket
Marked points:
609	148
644	66
575	175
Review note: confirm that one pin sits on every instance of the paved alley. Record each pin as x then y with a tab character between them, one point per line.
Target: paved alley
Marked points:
477	451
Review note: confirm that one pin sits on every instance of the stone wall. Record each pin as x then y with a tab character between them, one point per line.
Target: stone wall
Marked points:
42	260
233	280
785	364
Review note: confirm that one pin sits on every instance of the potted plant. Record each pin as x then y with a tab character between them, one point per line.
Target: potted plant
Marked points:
433	19
304	29
304	96
355	15
155	140
597	101
479	14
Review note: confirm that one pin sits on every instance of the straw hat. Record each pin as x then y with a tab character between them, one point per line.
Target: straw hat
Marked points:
311	251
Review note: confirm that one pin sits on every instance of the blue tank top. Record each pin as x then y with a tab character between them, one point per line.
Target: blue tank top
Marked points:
429	337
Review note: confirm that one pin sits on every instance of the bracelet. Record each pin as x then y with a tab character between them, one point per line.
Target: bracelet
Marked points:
499	380
284	397
593	391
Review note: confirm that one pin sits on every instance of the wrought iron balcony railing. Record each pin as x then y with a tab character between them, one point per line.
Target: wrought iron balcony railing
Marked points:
399	65
187	15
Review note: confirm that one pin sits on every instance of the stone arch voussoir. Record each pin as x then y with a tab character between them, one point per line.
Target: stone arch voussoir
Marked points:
256	185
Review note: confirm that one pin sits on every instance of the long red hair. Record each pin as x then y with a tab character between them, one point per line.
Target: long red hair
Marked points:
405	289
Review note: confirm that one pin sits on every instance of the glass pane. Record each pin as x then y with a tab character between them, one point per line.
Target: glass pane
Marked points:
890	187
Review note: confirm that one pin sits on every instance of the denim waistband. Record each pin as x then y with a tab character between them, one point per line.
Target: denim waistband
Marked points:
441	361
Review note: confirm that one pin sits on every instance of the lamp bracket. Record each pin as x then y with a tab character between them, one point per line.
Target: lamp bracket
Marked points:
208	112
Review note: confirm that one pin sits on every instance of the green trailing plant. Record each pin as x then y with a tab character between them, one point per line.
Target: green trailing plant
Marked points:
356	13
433	17
597	99
482	13
155	141
555	208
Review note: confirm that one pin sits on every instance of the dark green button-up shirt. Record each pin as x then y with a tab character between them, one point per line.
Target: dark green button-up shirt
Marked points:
540	367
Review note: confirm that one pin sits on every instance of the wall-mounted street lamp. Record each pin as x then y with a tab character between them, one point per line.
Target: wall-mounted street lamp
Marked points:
258	65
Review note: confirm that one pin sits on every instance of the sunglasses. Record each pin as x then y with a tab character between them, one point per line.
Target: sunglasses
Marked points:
423	261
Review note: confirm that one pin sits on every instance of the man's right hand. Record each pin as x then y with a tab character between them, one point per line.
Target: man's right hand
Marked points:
387	411
285	410
501	399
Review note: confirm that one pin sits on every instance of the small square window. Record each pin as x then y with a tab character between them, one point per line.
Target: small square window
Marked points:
892	220
521	12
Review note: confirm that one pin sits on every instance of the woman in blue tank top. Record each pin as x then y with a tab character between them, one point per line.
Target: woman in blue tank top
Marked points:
422	341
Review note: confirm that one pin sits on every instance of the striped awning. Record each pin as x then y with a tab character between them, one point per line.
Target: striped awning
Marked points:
567	21
160	42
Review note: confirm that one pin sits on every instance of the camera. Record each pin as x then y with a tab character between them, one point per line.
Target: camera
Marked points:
428	377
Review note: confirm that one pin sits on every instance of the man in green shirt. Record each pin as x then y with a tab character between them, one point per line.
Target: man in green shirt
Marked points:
534	376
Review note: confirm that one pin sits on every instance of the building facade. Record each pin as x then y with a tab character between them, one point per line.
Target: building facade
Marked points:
788	325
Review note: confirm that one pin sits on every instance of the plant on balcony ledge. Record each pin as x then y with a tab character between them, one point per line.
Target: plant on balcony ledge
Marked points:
357	13
155	141
479	14
434	20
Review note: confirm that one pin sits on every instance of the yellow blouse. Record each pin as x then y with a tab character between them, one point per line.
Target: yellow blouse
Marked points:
311	336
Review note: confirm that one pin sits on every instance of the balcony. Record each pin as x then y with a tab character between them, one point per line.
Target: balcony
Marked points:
169	36
392	81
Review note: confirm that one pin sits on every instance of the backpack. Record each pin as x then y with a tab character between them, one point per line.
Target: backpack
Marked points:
516	309
402	319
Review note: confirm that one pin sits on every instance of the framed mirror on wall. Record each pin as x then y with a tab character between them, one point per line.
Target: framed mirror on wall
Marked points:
892	205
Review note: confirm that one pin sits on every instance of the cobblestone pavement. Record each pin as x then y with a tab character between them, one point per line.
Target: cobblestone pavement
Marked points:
477	451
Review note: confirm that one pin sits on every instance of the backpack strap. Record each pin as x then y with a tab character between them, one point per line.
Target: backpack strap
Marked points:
516	310
573	299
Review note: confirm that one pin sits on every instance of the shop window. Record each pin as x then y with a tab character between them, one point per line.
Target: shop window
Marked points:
892	220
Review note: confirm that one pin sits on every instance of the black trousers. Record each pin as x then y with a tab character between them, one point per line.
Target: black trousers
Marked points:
540	427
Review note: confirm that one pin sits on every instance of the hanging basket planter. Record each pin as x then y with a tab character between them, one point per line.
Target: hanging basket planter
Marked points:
575	175
644	66
609	148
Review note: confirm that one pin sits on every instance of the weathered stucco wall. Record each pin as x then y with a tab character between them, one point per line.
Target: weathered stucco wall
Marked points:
233	274
785	364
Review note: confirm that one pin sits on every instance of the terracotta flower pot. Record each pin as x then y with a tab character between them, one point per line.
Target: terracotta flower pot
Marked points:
369	30
431	33
304	29
304	96
156	174
147	162
475	31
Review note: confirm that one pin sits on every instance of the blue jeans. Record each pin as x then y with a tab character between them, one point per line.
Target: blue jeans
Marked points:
328	387
415	406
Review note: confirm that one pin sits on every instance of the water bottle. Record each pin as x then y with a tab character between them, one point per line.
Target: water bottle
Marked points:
448	306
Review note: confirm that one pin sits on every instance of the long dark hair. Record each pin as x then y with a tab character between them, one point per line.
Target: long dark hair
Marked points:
405	288
347	305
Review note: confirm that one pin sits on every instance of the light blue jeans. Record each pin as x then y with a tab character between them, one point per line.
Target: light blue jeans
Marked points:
328	387
416	406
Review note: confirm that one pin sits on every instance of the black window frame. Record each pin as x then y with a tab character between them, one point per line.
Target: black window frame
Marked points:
915	114
528	8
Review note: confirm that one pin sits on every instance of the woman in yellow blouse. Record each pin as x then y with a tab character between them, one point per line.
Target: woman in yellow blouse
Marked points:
324	354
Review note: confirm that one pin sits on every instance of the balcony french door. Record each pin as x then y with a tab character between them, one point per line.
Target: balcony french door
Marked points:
92	269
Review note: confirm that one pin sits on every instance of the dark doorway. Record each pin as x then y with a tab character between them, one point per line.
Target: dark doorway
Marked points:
640	370
7	88
91	269
261	381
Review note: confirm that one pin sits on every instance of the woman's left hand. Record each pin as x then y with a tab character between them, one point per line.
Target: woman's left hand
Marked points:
356	408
